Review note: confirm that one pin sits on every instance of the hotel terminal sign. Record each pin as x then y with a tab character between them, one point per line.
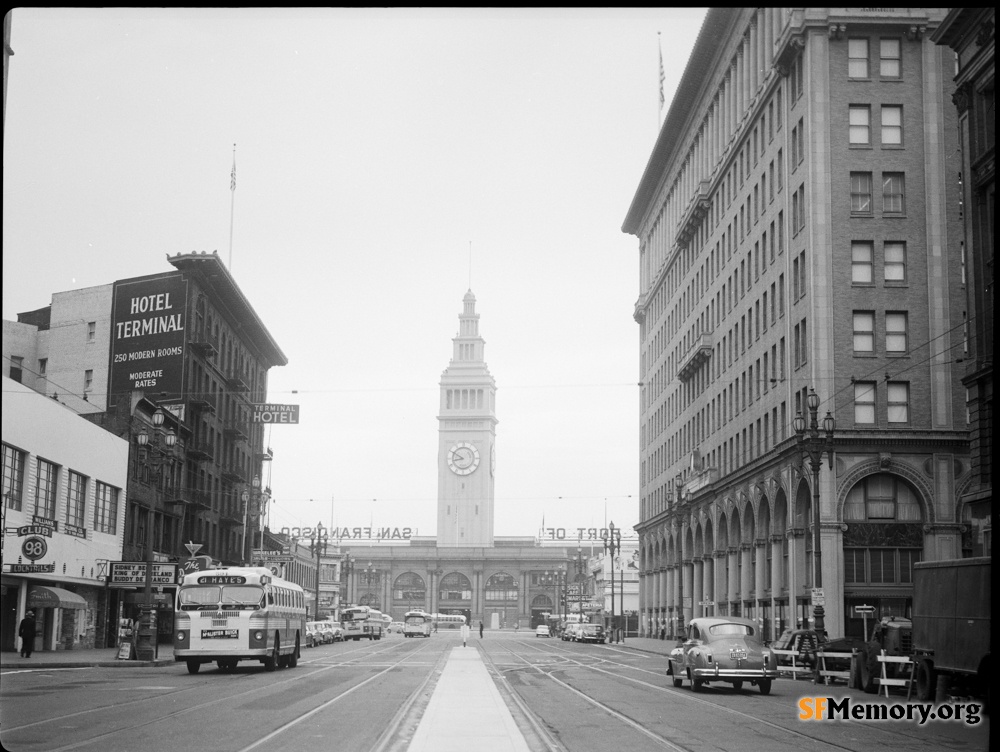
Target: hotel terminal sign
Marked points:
148	331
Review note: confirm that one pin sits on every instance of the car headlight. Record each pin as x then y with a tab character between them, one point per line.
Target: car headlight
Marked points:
258	636
181	635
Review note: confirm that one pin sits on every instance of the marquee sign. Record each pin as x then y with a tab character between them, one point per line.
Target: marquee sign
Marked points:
148	332
274	413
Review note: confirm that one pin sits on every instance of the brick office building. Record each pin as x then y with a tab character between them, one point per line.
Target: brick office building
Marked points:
185	343
799	232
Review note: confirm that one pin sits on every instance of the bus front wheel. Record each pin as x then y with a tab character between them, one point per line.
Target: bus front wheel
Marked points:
271	662
193	667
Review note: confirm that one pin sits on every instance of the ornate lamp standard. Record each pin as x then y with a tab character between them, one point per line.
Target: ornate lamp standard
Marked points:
613	545
347	567
371	574
246	497
581	563
146	646
679	486
813	446
318	545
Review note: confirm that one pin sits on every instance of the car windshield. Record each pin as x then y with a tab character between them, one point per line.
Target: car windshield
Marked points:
722	630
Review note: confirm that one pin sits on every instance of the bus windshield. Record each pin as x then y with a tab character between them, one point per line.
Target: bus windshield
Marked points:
203	597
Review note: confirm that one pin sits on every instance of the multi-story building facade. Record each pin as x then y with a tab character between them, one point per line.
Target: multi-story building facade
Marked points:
188	345
798	232
64	485
971	33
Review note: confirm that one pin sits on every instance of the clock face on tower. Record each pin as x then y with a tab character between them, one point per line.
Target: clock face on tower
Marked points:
463	458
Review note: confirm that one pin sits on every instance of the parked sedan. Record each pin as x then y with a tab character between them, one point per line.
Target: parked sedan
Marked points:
572	632
542	630
723	649
314	635
591	633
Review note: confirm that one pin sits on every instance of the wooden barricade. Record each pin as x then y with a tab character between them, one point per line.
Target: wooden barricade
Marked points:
824	674
886	682
795	668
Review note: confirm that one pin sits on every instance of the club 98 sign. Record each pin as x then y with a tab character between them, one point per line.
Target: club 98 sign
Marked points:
34	548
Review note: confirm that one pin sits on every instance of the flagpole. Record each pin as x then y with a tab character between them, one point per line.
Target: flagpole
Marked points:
232	205
659	116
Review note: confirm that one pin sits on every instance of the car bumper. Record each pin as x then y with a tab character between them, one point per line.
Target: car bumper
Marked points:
734	673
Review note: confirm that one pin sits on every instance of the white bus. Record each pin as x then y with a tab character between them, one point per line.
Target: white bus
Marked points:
238	614
447	621
417	624
362	622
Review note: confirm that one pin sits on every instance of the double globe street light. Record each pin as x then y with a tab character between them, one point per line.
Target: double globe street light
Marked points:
813	446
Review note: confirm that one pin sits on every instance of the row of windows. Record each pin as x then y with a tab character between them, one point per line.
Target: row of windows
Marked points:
893	193
897	402
896	332
890	123
890	59
75	498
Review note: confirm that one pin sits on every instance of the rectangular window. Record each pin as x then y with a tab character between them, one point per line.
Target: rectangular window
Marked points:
898	401
864	402
46	483
781	169
892	125
892	193
861	193
895	261
91	331
43	366
13	477
854	565
890	63
88	380
895	332
76	499
801	140
859	118
857	58
106	509
800	223
861	262
883	565
16	368
864	332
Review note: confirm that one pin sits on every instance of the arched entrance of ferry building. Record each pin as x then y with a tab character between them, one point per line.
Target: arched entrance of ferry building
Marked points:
541	606
500	604
884	515
455	595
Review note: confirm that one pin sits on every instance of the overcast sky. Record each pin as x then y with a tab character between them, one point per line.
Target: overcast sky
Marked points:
372	147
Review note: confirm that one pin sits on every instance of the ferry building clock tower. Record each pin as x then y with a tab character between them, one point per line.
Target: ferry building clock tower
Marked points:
466	440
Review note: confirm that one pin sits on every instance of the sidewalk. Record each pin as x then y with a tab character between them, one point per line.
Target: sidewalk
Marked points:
466	711
104	657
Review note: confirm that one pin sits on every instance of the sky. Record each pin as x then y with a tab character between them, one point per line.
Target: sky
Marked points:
387	161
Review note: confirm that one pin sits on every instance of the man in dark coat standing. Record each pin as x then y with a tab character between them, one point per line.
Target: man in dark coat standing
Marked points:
26	631
480	629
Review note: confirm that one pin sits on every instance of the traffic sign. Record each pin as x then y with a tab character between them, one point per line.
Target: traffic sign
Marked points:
864	609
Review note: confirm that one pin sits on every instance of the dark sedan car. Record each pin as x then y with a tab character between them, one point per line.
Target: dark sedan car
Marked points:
591	633
726	649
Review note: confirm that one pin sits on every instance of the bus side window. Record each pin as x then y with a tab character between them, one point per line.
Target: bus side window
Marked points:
270	599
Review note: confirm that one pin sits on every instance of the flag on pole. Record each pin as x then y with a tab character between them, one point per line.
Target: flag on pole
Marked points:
663	76
232	175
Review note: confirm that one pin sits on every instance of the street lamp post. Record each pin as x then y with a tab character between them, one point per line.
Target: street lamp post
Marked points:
245	498
580	564
371	573
346	570
813	446
679	622
613	545
318	546
146	644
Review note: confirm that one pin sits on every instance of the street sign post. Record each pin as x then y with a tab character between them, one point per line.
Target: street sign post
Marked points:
865	610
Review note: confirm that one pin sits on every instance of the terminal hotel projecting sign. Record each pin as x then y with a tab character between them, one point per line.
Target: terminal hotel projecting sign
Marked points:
149	317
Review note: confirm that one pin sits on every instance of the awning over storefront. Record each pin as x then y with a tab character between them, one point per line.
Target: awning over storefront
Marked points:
47	596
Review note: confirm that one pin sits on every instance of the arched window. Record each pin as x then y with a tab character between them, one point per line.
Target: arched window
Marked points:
501	587
455	586
409	587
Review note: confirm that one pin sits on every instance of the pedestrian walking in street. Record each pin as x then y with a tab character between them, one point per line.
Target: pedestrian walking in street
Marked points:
480	629
465	634
26	631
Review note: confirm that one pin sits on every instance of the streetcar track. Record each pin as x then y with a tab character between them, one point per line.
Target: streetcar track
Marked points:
674	692
158	698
